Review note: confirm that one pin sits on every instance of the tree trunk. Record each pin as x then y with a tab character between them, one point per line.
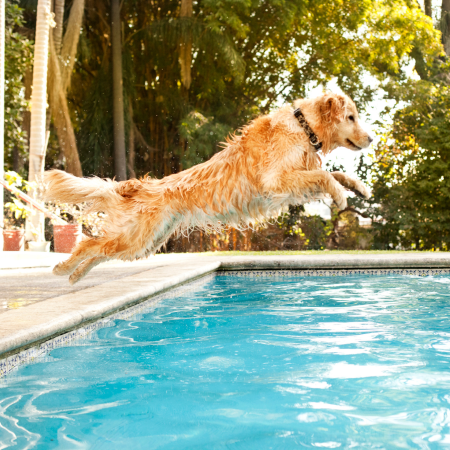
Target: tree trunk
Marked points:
28	83
17	160
62	60
61	115
445	25
35	225
59	19
70	42
120	163
131	146
185	57
66	136
58	6
428	10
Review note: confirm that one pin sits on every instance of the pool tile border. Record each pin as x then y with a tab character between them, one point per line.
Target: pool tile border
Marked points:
13	362
331	272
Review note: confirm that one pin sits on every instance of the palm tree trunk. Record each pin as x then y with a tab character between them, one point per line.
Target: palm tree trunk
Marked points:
120	162
2	109
35	225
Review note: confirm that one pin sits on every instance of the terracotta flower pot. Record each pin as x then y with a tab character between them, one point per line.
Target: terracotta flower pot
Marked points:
66	237
13	240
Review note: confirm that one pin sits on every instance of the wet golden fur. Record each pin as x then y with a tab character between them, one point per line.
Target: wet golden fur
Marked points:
269	166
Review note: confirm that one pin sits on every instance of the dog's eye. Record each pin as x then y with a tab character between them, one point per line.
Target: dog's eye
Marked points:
351	118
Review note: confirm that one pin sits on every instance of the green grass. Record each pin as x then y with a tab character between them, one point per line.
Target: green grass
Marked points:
307	252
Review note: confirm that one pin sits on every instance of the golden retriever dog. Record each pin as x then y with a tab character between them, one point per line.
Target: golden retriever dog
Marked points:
270	165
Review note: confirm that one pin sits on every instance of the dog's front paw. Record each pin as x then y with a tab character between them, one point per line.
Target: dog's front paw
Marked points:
361	190
340	199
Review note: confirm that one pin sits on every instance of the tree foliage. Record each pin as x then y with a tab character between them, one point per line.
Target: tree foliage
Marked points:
247	57
410	172
18	59
410	167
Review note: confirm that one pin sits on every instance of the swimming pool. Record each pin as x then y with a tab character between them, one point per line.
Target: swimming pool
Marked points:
249	363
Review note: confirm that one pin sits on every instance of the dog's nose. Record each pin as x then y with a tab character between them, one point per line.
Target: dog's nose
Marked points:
370	139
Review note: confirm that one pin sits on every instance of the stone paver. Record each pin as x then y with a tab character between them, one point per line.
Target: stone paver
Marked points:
22	287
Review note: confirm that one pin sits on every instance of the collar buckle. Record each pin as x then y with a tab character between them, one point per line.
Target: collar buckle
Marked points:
314	140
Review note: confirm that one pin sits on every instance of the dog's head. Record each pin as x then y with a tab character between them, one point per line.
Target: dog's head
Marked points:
340	123
334	118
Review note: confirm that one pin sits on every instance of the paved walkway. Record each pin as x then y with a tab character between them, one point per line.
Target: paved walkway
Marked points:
37	305
22	287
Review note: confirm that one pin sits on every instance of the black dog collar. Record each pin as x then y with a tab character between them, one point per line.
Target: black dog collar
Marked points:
313	139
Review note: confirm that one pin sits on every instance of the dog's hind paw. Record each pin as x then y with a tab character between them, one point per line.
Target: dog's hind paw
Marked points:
61	269
74	278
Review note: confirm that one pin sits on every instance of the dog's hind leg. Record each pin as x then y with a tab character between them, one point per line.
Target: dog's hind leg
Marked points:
126	246
121	250
357	186
88	248
83	269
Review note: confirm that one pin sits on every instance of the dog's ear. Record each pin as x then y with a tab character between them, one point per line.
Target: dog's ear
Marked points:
332	108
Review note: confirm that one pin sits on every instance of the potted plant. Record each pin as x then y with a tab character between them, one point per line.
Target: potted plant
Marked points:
13	233
80	222
66	237
14	240
16	213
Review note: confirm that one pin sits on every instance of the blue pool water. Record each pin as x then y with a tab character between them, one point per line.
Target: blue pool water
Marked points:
247	363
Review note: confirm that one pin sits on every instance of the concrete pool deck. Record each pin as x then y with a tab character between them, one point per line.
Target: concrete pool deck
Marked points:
36	305
29	260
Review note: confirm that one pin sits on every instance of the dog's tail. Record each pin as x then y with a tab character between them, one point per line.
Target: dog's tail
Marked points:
65	188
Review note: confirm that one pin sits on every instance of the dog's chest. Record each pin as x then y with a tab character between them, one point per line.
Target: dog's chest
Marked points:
298	156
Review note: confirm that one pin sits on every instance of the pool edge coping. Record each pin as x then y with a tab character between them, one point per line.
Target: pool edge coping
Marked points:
68	321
